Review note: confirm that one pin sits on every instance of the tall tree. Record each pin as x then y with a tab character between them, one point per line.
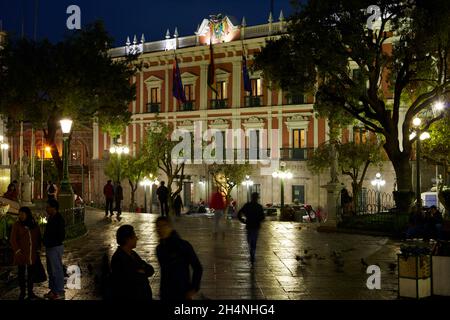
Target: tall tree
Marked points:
137	168
159	146
353	160
401	67
42	82
436	150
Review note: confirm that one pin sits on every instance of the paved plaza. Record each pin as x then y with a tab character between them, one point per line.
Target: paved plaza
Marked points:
294	261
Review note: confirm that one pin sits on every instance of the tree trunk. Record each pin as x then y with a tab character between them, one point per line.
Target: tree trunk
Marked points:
355	191
133	191
404	194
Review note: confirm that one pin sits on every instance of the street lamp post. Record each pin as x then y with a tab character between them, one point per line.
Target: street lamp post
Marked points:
66	194
66	125
420	136
149	182
247	182
145	183
378	182
282	174
119	149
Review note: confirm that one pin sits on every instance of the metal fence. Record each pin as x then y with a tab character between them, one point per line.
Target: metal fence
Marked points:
368	217
368	202
74	219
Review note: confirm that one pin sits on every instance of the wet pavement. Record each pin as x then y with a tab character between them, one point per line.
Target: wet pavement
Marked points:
293	260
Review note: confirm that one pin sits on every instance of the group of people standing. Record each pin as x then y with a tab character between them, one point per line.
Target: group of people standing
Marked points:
427	224
26	242
113	195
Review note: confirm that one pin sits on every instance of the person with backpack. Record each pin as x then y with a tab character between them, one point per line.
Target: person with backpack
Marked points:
254	215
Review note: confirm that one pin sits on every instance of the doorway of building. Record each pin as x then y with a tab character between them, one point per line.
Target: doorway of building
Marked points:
187	194
298	193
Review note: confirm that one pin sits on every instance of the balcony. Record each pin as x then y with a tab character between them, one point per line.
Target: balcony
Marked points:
296	99
253	101
219	104
153	107
292	154
285	154
188	106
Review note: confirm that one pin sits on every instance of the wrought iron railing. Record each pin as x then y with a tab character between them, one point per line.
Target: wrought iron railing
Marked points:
219	104
253	101
153	107
187	106
300	154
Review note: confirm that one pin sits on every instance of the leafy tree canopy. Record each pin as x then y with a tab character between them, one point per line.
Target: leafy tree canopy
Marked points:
41	82
402	65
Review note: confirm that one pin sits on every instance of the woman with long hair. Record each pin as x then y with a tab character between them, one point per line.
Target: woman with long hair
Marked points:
26	243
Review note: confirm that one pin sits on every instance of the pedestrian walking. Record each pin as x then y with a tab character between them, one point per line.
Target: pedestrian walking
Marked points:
218	204
129	272
26	244
175	257
118	197
177	205
54	236
108	191
163	197
252	214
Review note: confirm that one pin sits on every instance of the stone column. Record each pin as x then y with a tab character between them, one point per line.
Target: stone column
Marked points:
333	202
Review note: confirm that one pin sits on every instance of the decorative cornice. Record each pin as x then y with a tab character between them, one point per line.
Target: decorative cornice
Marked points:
298	121
219	124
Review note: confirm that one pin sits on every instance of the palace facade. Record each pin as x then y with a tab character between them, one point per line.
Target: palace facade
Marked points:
293	129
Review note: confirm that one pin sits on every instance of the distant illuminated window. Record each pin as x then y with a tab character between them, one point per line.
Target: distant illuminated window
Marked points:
256	87
221	88
359	135
189	92
155	96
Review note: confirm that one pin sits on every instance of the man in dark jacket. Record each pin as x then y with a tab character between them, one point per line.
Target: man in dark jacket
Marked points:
118	195
129	272
175	255
163	196
54	236
108	191
254	215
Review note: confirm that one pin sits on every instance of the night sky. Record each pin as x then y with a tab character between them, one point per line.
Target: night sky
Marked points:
126	18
